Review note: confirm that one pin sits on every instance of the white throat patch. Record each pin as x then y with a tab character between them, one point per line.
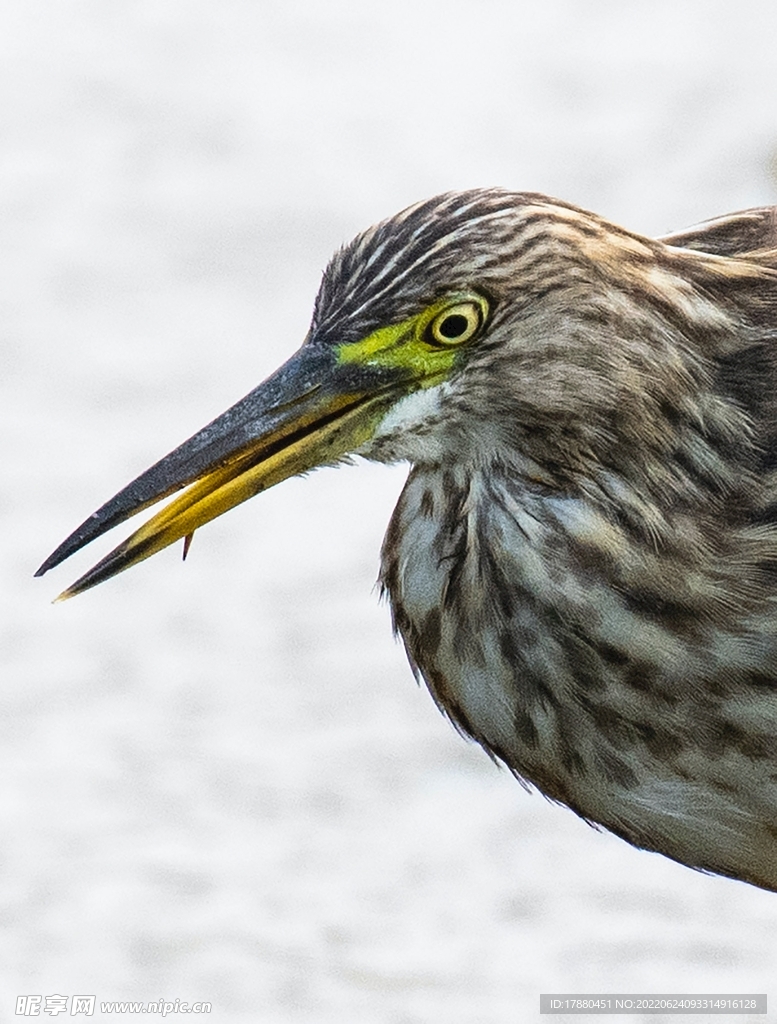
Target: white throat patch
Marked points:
409	430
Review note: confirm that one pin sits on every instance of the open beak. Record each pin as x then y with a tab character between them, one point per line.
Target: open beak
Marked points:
312	411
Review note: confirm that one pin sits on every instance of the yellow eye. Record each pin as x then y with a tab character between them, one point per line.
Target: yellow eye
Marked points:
457	323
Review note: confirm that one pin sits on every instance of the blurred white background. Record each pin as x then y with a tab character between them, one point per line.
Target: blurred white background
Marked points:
219	781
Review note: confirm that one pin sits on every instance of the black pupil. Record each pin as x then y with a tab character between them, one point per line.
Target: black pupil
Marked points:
454	326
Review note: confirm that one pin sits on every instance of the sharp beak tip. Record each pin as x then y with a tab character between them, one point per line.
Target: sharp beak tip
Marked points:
67	548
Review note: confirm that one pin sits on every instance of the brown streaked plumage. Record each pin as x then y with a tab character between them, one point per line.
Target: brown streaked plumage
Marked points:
583	562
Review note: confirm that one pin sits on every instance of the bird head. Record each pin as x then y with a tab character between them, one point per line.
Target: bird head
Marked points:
471	326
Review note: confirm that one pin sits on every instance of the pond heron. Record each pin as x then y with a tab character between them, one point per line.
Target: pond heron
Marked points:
583	562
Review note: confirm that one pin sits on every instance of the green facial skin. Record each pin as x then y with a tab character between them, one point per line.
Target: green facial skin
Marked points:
418	345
